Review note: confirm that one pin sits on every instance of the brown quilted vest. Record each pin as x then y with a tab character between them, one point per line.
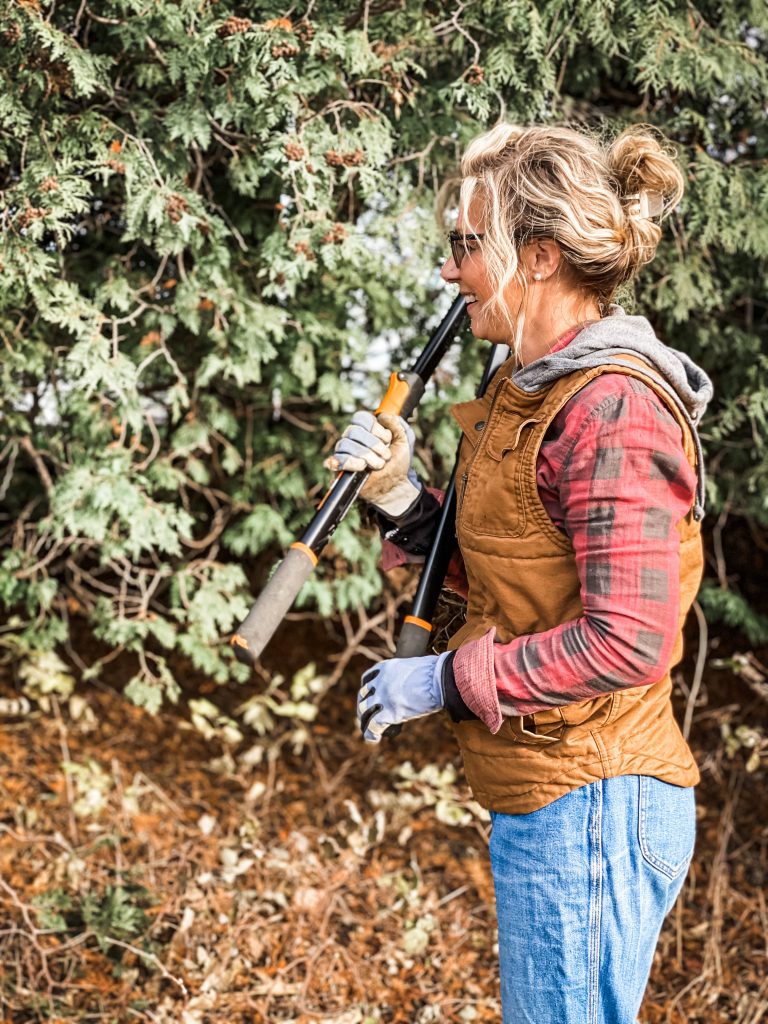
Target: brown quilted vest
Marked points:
523	579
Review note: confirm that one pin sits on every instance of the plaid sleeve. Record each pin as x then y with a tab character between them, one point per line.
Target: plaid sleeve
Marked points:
613	475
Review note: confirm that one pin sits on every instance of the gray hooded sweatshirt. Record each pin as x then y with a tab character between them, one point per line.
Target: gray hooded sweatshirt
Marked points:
618	335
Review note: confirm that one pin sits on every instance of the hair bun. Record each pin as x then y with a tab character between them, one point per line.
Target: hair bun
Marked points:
648	179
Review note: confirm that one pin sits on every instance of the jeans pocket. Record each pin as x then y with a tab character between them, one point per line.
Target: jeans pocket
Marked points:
667	825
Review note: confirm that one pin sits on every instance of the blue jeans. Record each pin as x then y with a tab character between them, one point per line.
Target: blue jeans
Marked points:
582	887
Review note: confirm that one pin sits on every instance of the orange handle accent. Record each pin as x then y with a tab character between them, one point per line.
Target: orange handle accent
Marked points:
307	551
327	495
239	641
394	400
419	622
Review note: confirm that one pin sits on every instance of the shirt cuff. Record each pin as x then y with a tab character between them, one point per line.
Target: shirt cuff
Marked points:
475	676
392	556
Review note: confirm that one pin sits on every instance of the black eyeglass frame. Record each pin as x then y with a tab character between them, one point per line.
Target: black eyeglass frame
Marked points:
458	243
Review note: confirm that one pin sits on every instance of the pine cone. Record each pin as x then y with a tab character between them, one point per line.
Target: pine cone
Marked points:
233	26
12	34
49	185
303	249
176	206
305	30
474	75
117	165
285	50
279	23
334	159
59	78
354	159
25	217
335	235
293	151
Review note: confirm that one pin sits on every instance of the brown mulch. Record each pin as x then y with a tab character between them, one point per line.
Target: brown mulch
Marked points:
306	878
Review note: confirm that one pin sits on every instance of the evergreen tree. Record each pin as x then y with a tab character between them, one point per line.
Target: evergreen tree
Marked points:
215	216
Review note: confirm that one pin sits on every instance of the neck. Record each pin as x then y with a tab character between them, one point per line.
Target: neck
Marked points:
550	318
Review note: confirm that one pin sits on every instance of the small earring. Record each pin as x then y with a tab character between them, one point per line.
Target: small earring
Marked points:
537	277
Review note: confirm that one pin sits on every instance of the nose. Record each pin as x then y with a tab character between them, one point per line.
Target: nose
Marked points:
450	272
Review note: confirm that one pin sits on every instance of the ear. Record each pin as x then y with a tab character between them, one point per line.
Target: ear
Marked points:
542	257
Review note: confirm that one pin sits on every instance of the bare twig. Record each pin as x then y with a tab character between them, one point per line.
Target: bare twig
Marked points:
717	543
32	933
151	958
40	466
64	744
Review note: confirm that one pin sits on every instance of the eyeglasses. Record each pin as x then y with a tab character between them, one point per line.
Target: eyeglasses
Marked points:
459	247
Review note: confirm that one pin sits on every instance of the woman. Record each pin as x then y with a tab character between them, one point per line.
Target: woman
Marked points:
578	522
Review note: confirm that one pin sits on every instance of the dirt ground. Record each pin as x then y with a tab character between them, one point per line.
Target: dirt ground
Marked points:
149	874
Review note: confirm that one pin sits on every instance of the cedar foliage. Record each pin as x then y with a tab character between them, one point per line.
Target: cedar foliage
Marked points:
213	214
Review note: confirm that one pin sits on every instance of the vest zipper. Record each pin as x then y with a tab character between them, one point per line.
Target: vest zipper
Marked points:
463	488
472	458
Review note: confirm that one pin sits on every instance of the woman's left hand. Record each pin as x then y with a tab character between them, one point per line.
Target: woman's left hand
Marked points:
398	690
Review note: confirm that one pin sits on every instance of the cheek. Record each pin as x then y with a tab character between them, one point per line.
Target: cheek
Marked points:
514	295
475	276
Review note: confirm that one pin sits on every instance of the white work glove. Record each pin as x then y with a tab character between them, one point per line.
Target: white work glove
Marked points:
398	690
382	445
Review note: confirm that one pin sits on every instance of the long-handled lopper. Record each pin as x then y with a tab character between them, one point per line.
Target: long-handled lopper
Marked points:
404	393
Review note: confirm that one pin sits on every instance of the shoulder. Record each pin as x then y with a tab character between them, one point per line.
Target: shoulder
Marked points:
615	398
612	434
616	392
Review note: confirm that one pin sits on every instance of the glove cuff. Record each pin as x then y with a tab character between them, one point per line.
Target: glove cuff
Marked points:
396	502
452	699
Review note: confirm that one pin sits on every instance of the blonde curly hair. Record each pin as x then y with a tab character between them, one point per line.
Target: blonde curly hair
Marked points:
601	203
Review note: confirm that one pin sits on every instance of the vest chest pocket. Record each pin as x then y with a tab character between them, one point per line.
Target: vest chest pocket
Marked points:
492	491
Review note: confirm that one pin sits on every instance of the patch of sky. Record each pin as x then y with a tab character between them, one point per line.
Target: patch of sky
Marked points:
372	357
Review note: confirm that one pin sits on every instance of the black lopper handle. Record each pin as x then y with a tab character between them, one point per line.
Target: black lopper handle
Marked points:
403	395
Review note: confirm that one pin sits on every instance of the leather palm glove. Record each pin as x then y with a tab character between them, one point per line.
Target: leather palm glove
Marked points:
398	690
383	445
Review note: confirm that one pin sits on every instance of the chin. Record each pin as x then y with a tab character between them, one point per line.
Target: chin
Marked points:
483	333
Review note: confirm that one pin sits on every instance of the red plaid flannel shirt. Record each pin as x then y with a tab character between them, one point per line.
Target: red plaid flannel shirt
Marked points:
612	474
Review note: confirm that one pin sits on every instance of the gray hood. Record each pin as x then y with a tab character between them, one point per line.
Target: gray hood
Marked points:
606	341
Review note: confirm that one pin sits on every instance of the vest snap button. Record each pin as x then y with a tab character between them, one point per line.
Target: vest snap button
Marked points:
480	424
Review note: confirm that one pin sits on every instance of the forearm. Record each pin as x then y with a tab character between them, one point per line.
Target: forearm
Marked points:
576	661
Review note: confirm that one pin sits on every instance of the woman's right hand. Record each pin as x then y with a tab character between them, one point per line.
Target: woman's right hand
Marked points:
383	446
